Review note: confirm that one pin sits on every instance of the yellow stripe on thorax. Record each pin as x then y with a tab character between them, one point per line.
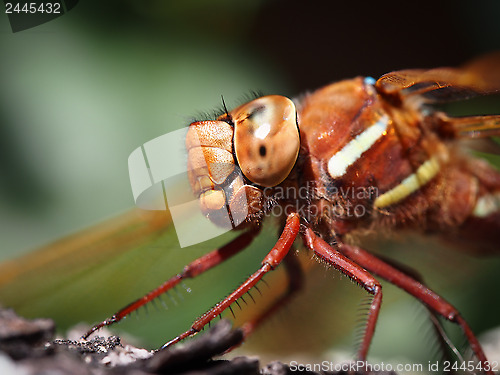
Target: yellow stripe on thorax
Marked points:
487	205
352	151
426	172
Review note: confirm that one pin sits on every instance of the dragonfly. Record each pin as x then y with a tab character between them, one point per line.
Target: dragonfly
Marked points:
355	157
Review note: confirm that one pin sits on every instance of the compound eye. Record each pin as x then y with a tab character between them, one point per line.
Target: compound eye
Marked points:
266	139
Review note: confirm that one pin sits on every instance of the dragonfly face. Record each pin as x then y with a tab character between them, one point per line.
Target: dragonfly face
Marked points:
264	136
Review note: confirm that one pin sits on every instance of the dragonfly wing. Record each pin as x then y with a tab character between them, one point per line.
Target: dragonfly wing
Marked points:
38	283
479	77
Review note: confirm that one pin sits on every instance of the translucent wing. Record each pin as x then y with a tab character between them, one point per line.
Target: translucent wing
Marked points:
469	126
479	77
55	281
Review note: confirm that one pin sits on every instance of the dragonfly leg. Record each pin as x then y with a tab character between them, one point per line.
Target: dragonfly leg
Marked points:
356	273
270	262
295	276
193	269
444	341
418	290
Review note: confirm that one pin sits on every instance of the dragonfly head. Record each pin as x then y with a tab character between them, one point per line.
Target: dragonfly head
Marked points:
232	159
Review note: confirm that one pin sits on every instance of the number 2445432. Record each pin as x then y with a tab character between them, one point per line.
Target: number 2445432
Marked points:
32	8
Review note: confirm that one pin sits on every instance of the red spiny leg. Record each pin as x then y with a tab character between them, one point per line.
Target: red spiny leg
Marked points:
354	272
443	339
273	259
193	269
416	289
295	280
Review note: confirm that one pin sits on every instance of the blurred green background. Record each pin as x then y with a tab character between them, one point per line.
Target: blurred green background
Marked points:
79	93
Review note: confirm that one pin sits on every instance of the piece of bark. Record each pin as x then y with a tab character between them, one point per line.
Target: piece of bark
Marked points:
32	350
21	338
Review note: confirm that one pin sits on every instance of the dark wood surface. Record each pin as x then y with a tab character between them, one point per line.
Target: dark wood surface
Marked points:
31	349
